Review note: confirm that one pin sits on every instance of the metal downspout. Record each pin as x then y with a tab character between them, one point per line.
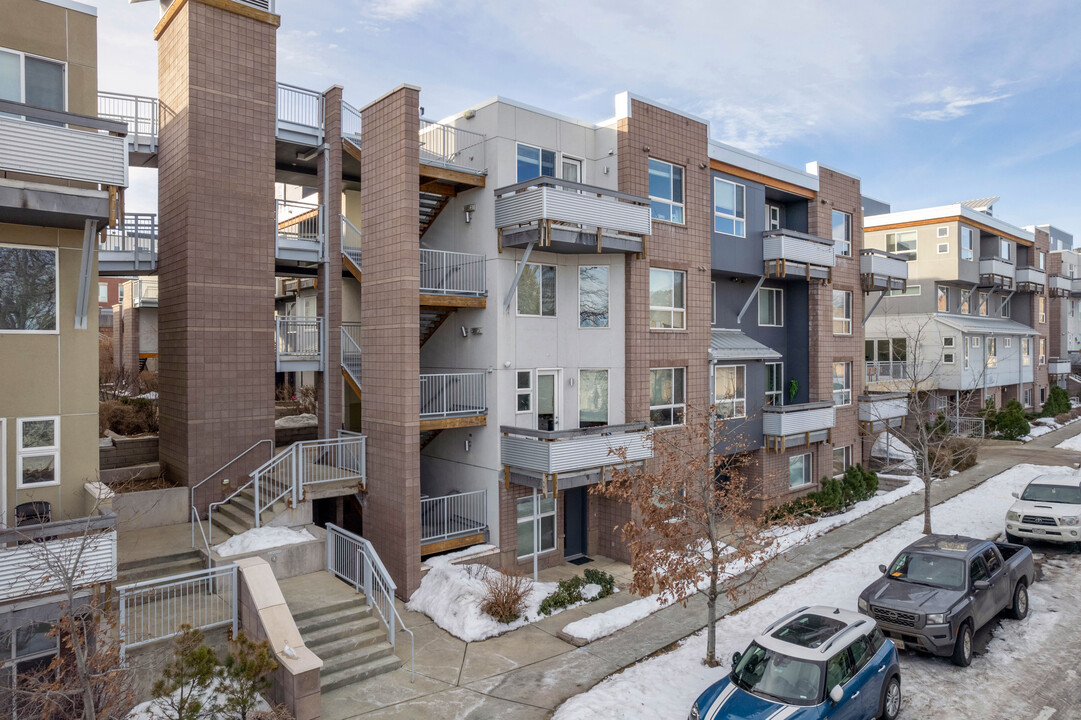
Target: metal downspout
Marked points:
326	287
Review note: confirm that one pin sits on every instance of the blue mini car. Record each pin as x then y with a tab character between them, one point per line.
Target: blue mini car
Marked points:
815	663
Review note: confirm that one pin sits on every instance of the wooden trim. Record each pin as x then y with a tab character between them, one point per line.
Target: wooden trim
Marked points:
438	187
451	423
451	544
352	383
227	5
309	215
452	176
348	264
353	150
952	218
453	301
147	356
760	178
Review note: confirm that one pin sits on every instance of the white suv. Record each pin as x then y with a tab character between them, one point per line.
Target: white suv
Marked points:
1049	509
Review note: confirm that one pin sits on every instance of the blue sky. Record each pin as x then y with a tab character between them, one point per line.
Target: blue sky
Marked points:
928	102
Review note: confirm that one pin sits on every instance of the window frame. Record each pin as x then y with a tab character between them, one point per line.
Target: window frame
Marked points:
808	470
940	233
670	201
673	406
991	352
943	294
943	248
734	216
912	290
540	290
540	161
608	395
1043	351
777	302
1041	305
967	253
908	255
768	395
519	391
608	297
22	453
1005	307
981	304
738	401
846	459
681	311
965	306
1026	351
847	309
22	73
56	290
846	390
539	515
841	246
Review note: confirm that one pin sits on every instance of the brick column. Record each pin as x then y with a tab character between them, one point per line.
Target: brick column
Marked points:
329	383
216	79
1040	378
390	317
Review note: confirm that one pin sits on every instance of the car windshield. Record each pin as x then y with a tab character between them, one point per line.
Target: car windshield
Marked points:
1069	495
778	677
933	570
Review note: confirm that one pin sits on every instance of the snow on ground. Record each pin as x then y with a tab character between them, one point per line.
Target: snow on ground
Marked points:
150	710
262	538
1073	443
892	449
460	554
295	421
786	537
665	686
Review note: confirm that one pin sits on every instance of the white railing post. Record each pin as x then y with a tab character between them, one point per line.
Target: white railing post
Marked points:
367	579
258	512
236	588
122	627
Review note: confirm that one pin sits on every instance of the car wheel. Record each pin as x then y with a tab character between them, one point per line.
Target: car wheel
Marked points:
962	649
1014	539
891	699
1019	609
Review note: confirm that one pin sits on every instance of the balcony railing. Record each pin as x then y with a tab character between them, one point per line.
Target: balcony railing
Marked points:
35	559
351	123
966	426
451	147
300	343
1075	286
130	247
586	208
1031	279
787	252
40	142
880	270
878	412
299	116
447	395
997	271
452	273
299	232
142	291
1057	366
572	450
139	113
453	516
351	356
886	371
790	425
1059	285
351	242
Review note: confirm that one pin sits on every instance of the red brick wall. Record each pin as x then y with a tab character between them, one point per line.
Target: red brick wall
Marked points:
1041	382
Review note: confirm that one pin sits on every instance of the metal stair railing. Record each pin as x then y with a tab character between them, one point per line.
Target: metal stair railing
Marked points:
350	350
195	512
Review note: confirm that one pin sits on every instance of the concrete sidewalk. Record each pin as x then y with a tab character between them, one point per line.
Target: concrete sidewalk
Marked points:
529	672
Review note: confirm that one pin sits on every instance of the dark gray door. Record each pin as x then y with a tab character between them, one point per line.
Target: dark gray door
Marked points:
574	522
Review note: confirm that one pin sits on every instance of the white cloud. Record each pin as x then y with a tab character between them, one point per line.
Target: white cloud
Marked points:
589	94
397	9
950	103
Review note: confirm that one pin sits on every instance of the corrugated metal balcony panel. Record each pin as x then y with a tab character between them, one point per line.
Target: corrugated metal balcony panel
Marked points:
37	149
784	246
22	574
997	266
578	208
882	407
1059	282
1075	286
1058	367
572	454
885	266
797	419
1031	275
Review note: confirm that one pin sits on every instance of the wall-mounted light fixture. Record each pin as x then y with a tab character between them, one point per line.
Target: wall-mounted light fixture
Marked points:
469	210
476	331
465	333
468	445
469	114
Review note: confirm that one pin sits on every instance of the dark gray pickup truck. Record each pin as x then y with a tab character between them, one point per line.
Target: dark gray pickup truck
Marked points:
942	588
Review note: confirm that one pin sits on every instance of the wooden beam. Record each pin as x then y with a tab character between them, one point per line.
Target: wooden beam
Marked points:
310	215
351	266
760	178
353	150
436	187
451	544
948	219
457	177
468	301
351	382
451	423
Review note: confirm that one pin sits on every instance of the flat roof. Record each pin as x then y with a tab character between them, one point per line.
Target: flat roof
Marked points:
947	213
730	155
72	5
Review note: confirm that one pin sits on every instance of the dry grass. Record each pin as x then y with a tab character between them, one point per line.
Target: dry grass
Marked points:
505	599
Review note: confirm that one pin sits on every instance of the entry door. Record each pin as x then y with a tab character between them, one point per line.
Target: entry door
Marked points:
574	522
547	400
572	169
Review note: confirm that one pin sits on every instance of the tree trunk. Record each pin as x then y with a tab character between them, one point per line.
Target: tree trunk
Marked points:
711	624
927	505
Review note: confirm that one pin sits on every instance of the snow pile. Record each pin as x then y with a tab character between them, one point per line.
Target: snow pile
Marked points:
149	710
451	595
892	449
459	554
591	591
785	537
262	538
636	693
296	421
1073	443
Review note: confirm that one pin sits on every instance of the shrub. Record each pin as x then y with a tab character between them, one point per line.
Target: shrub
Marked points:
128	416
1062	418
1011	423
189	675
990	416
605	580
858	483
567	593
1058	401
245	674
505	596
955	454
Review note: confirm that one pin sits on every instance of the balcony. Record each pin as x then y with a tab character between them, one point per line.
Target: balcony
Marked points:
996	271
299	343
131	248
453	521
880	270
34	559
1031	279
882	411
796	255
565	451
792	425
140	114
1075	286
450	400
881	375
1058	367
452	273
570	217
299	235
452	148
1059	285
299	116
143	292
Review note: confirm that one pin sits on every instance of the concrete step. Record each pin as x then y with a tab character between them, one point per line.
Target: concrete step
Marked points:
333	620
334	676
235	513
227	527
352	642
160	570
303	619
157	560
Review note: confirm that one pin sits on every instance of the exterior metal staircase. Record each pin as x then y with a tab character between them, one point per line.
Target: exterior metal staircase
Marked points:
351	641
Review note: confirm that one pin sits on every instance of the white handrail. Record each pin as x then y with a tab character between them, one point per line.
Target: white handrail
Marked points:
351	123
299	337
210	507
351	237
308	462
451	147
350	350
452	273
300	108
445	395
454	515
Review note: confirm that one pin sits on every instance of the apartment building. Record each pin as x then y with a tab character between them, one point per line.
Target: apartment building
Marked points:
973	321
62	173
1064	319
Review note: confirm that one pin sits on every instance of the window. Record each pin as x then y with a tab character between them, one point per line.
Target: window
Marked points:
1041	259
1004	309
842	383
1043	308
667	396
593	297
903	244
775	384
729	208
909	291
38	452
103	292
943	248
966	354
32	80
525	391
28	289
949	341
592	398
770	307
1028	397
773	217
667	300
842	233
25	652
842	458
1043	395
1004	249
943	299
1007	343
948	357
799	470
975	342
982	300
944	231
1043	351
992	353
713	302
966	243
546	517
1026	351
842	312
537	291
1073	308
665	191
534	162
964	309
730	390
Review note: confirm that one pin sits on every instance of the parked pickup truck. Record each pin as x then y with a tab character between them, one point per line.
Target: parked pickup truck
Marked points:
942	588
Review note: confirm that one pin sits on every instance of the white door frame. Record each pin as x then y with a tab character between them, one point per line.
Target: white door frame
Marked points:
578	162
557	396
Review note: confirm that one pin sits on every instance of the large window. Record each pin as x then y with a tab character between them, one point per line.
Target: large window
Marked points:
842	458
1005	249
981	300
842	383
25	652
799	470
38	452
943	299
32	80
103	292
592	398
1004	308
593	296
667	299
842	233
842	312
1042	301
729	208
524	391
770	307
28	292
965	308
992	352
730	390
546	518
902	243
665	191
537	291
534	162
775	384
667	396
1026	351
966	243
1043	351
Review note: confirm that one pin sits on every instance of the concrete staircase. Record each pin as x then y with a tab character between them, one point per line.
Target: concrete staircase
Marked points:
350	639
157	567
238	515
